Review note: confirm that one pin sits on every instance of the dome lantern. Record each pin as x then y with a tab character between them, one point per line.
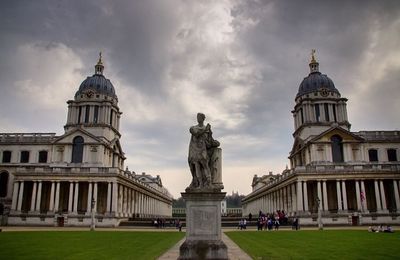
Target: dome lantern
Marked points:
314	65
99	67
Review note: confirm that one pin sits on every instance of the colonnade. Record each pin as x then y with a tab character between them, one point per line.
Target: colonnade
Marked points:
305	196
120	200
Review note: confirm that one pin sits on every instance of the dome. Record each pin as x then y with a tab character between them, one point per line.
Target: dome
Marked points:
314	82
98	84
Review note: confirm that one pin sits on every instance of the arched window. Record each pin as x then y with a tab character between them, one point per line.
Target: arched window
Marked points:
77	149
3	184
337	149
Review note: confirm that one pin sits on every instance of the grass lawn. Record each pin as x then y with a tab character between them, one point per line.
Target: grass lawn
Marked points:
86	245
327	244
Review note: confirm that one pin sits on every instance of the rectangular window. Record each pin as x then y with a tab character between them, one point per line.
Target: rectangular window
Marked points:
43	156
24	157
373	155
334	112
96	114
392	155
317	112
302	115
111	117
326	112
87	114
79	114
6	156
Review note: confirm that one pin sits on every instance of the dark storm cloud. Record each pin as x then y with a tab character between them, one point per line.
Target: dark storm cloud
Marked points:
240	62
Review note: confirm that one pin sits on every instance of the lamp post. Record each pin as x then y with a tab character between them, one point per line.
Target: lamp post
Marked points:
320	225
92	224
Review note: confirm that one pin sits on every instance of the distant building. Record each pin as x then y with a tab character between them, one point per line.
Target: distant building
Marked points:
53	180
353	177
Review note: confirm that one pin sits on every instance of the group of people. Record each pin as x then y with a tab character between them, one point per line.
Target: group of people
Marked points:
380	228
269	221
242	224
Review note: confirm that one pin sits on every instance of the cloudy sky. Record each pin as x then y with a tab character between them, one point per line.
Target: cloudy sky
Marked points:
239	62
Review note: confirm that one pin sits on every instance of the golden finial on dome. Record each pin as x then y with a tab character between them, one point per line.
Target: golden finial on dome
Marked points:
312	55
100	62
99	67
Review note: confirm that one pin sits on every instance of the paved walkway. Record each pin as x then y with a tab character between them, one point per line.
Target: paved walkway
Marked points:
234	252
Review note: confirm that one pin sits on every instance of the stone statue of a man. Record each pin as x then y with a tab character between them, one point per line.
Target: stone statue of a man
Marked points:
201	155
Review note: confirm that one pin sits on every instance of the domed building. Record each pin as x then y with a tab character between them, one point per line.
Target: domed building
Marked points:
61	180
349	178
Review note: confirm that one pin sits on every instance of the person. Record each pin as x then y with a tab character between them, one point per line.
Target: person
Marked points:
201	148
250	216
244	223
388	229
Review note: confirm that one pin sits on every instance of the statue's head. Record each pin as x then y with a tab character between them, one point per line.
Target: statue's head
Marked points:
201	117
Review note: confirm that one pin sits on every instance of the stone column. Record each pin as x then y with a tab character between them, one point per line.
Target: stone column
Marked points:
76	197
108	197
339	195
320	206
383	197
95	196
377	197
70	196
363	201
51	205
325	195
396	195
134	203
120	199
125	199
305	196
89	199
344	192
57	200
15	196
20	196
114	204
358	196
33	199
294	199
39	197
299	197
128	202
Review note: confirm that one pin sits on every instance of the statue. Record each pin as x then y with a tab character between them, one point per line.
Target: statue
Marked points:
204	158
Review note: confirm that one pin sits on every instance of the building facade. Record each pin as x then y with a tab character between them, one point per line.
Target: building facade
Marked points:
351	177
60	180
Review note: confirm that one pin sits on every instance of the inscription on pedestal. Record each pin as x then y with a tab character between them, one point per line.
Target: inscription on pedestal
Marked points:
204	220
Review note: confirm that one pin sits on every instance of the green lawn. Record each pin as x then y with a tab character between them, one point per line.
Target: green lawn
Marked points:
330	244
86	245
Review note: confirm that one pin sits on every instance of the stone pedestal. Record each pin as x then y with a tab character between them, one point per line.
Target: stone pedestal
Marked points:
203	226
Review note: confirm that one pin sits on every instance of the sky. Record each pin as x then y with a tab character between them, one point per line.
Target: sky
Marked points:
240	62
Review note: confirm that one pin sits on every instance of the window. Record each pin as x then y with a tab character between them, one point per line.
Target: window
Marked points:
79	114
87	113
334	112
392	155
111	117
317	112
337	149
3	184
43	156
24	157
77	149
6	156
302	115
96	114
373	155
326	112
